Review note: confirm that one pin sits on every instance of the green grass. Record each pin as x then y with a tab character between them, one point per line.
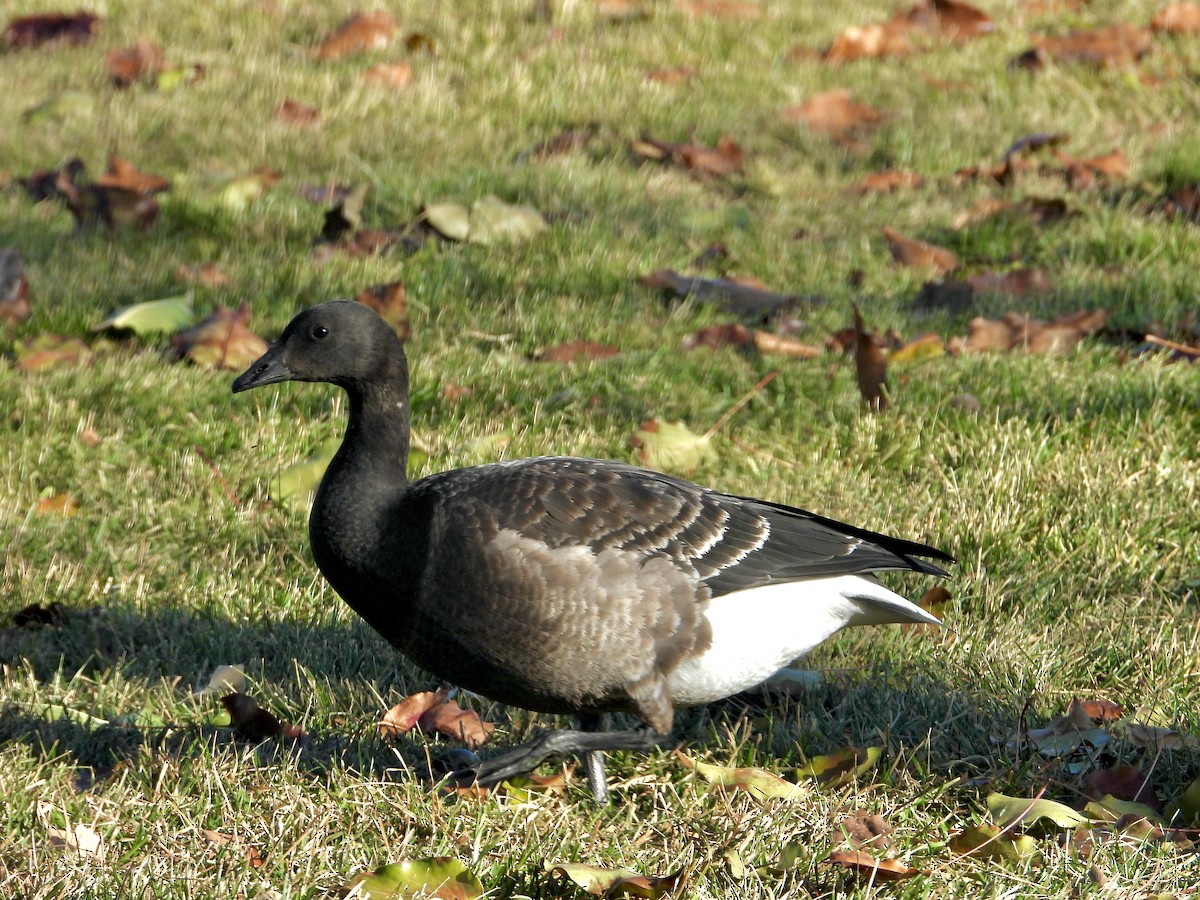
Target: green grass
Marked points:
1071	499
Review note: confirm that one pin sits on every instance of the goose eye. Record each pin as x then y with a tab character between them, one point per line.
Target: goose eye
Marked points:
320	332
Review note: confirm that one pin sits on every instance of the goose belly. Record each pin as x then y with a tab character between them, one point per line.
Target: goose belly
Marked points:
759	631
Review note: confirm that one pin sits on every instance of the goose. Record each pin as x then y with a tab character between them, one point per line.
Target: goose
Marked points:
567	585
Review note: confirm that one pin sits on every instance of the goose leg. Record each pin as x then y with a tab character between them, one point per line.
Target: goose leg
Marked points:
530	755
593	760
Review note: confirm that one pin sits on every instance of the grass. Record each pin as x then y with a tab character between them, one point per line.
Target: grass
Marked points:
1071	499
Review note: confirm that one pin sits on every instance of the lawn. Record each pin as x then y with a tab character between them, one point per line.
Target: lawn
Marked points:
141	495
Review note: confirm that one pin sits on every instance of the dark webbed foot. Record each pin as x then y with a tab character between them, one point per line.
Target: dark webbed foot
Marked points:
528	756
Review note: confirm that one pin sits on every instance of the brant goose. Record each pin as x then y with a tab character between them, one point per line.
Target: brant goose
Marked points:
567	585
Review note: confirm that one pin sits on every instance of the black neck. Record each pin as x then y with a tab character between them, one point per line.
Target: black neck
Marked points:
378	434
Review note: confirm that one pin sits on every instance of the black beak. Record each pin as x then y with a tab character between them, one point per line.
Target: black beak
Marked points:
267	369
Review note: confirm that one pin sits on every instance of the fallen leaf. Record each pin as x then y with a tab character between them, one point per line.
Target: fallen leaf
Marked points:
361	33
1009	811
238	193
296	485
918	254
1119	45
1021	282
1124	782
56	504
121	175
841	767
1151	737
1187	807
864	865
81	838
927	346
1108	808
726	158
714	336
1018	330
435	877
834	113
870	364
208	273
132	64
114	204
393	75
752	303
570	351
1177	18
672	446
614	882
253	722
152	317
224	679
952	18
767	342
1064	734
403	717
990	842
14	288
390	301
50	351
494	222
1098	710
293	112
222	341
758	783
465	725
886	39
888	181
864	829
673	76
26	32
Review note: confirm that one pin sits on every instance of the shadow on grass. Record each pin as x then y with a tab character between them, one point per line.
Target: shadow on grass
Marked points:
334	678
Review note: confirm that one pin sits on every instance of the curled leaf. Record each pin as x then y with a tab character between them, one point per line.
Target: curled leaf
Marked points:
864	865
840	767
614	882
152	317
671	445
1009	811
435	877
758	783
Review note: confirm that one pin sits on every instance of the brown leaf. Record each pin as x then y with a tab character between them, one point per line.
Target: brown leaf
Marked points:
726	158
732	335
14	288
1017	282
361	33
134	63
870	363
389	75
673	76
1034	335
1177	18
391	302
864	829
887	39
834	113
866	866
1152	737
1124	782
740	299
1119	45
253	722
294	112
569	351
122	176
403	717
1098	710
954	19
49	351
887	181
57	28
455	392
919	254
222	341
57	505
451	720
208	273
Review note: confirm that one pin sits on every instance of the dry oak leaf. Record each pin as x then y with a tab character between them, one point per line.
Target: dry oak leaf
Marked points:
834	113
434	711
1108	47
222	341
64	28
389	75
726	158
1022	282
864	865
569	351
361	33
919	254
293	112
887	181
886	39
127	66
391	302
122	176
672	76
870	364
1177	18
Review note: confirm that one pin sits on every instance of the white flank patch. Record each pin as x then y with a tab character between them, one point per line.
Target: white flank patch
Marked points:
759	631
